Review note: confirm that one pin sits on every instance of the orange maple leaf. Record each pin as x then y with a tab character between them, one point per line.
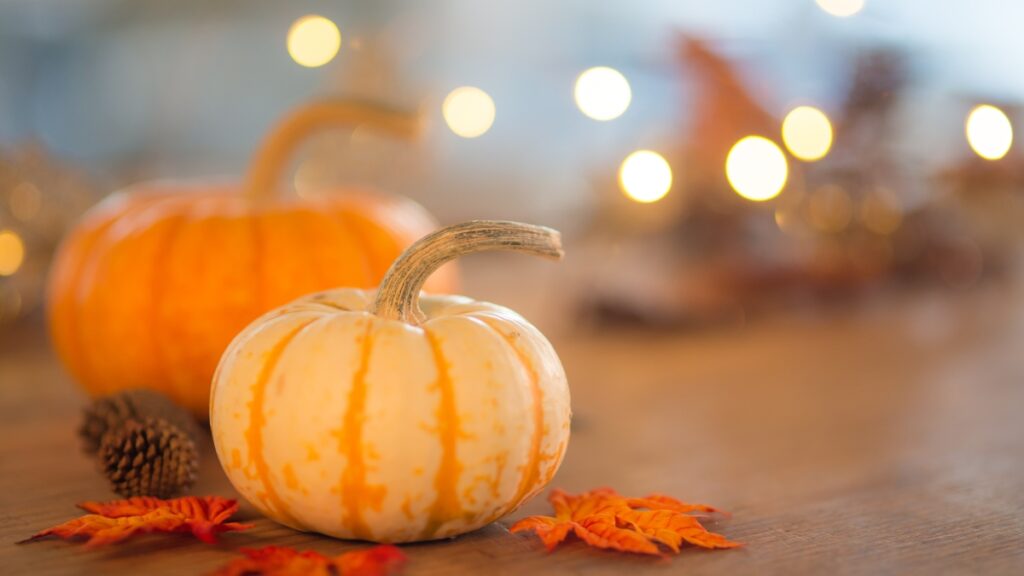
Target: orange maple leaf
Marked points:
279	561
604	519
111	522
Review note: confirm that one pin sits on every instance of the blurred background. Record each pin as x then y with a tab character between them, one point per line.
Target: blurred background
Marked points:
707	162
793	229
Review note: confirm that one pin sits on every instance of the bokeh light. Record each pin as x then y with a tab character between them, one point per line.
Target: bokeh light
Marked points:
807	133
12	252
989	132
787	219
309	178
829	209
468	111
602	93
313	41
841	8
25	201
756	168
881	213
645	176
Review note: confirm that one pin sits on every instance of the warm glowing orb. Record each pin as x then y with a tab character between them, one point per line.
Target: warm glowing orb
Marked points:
756	168
313	41
12	252
829	208
468	111
25	201
602	93
807	133
881	213
841	8
645	176
989	132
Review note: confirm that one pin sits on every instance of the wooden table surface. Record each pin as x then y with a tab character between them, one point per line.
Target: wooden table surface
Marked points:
880	439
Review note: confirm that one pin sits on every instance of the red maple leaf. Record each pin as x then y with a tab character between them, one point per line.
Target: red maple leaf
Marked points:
604	519
280	561
111	522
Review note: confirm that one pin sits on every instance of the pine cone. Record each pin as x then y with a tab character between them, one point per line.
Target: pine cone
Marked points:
108	413
151	457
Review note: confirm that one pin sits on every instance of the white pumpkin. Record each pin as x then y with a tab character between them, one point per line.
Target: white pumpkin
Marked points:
359	415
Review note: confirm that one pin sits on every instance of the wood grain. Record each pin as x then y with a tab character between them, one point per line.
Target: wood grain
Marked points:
885	439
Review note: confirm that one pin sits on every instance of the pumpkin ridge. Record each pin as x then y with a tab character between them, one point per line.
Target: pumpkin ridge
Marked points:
74	353
98	259
161	364
307	231
353	488
530	475
446	505
259	294
254	435
296	232
352	230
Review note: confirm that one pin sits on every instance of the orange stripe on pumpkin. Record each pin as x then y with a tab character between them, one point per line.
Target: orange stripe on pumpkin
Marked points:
254	435
531	475
354	490
291	481
407	508
446	505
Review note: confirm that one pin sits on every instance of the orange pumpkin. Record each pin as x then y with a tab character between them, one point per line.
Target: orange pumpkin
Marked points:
149	289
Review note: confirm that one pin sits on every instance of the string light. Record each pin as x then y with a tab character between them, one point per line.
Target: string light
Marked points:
841	8
602	93
807	133
645	176
468	111
989	132
313	41
756	168
12	252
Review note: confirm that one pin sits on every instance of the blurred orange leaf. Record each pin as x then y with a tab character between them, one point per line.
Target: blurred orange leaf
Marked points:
604	519
279	561
111	522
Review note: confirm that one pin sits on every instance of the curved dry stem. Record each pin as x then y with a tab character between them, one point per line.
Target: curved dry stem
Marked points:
399	292
274	154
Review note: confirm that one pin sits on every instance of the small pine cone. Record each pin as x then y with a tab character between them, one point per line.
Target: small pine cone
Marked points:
151	457
108	413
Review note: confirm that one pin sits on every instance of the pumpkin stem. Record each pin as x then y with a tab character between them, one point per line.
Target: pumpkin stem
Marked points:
399	293
274	154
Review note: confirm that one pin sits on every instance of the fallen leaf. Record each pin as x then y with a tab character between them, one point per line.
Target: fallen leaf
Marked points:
662	502
280	561
111	522
604	519
376	561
